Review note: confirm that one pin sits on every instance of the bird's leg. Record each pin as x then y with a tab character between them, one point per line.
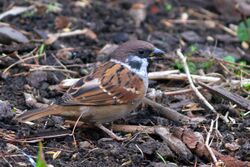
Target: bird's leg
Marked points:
110	133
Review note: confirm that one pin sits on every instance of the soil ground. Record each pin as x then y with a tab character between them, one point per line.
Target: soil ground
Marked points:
111	22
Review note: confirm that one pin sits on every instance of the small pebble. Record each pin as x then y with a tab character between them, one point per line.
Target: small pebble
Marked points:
84	144
245	45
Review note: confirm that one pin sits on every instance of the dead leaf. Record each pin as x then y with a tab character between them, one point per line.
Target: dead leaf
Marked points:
9	35
64	53
138	13
166	23
90	34
16	10
51	39
154	9
108	48
61	22
232	146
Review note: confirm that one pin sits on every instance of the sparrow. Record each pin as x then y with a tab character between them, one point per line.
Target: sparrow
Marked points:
110	92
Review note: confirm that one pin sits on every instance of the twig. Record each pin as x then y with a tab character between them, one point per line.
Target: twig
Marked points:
207	142
168	112
142	155
53	37
59	62
22	60
174	75
133	129
74	128
51	68
7	161
162	74
198	94
175	144
172	93
57	66
226	29
233	97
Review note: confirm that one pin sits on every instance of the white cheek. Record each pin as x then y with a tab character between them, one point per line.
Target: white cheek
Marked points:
142	72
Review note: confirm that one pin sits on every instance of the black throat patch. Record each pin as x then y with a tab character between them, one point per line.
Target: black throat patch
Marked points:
135	64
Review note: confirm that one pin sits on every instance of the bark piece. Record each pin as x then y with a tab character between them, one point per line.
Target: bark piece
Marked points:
239	100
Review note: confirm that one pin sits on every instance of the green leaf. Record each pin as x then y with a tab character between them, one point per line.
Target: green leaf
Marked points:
53	7
243	63
193	48
168	7
178	65
192	67
40	162
41	50
206	65
162	158
229	59
243	30
246	86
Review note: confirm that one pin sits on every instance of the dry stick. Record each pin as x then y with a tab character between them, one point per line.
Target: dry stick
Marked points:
207	142
233	97
6	161
198	94
51	68
53	37
168	112
203	22
174	143
59	62
172	93
226	29
133	128
57	66
74	128
174	75
20	61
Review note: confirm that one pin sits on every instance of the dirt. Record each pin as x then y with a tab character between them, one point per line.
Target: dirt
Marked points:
111	22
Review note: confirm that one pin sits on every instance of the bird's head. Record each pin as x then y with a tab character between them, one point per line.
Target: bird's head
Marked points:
136	53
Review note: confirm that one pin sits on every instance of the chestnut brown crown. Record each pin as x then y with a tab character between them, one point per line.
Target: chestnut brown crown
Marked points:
138	48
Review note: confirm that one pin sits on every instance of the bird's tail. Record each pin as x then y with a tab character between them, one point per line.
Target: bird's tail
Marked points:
39	113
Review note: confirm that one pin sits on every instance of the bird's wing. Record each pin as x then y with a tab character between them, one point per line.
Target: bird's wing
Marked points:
111	83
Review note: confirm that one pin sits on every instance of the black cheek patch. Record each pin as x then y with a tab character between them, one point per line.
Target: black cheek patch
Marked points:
135	64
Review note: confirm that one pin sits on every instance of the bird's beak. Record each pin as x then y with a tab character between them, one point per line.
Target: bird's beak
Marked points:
156	53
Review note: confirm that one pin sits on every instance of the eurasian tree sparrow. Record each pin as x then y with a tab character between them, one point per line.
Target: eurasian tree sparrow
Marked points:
110	92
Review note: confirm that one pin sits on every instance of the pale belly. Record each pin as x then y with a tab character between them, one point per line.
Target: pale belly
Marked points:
111	113
102	114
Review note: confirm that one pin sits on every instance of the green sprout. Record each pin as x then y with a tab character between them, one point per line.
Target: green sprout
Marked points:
53	7
229	59
162	158
246	86
191	65
41	50
193	48
243	31
168	7
40	162
28	14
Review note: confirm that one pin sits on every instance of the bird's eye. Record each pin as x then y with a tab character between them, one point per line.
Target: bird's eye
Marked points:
141	52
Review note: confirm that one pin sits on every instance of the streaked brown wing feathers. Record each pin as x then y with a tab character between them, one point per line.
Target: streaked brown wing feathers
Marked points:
111	83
